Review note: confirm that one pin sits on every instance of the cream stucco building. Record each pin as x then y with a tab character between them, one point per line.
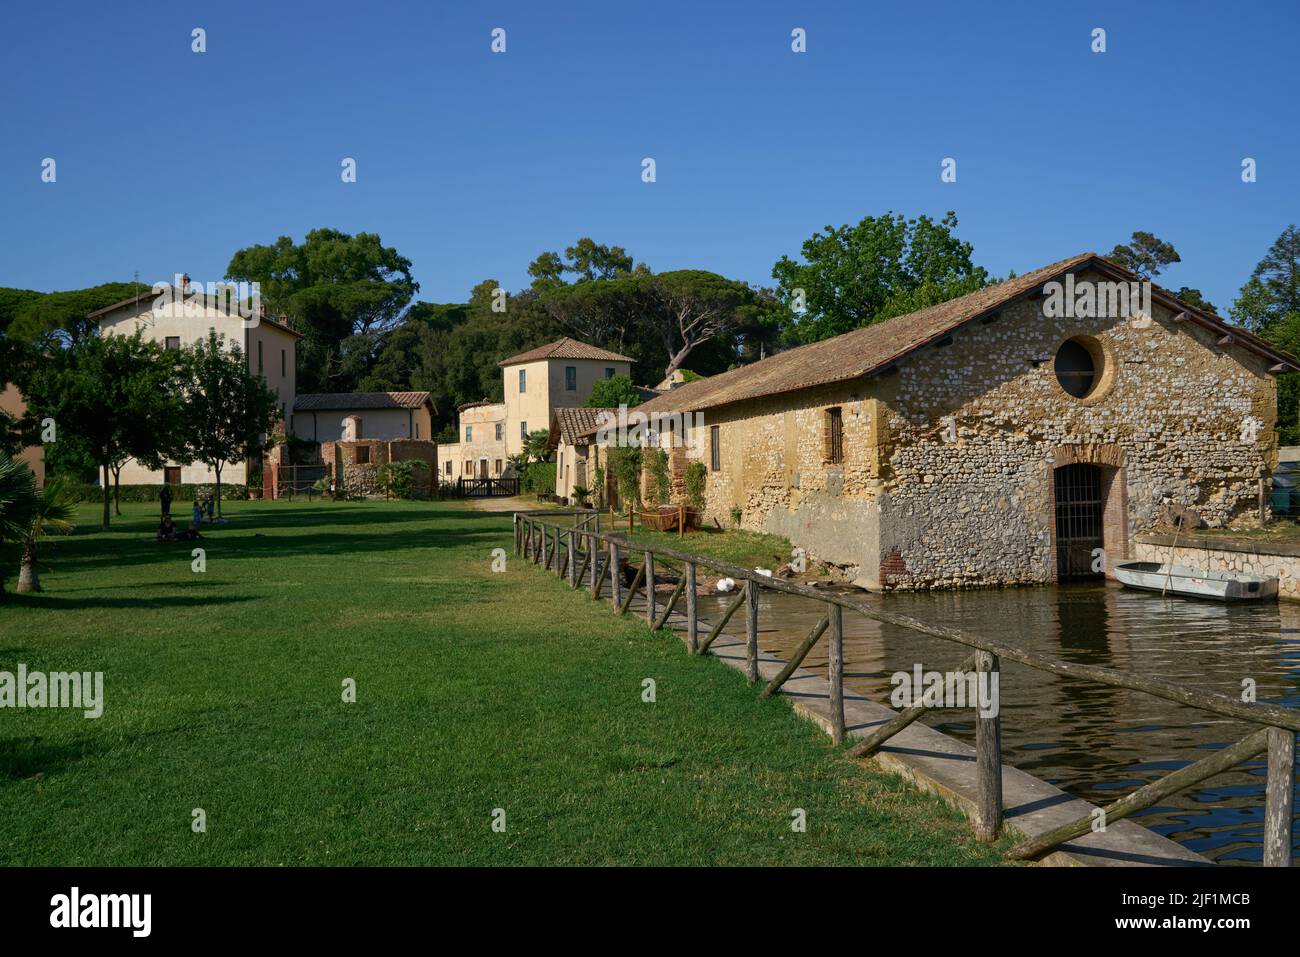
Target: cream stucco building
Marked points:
558	374
181	316
482	450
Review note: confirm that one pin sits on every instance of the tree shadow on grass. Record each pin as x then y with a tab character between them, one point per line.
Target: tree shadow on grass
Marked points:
48	601
24	758
314	541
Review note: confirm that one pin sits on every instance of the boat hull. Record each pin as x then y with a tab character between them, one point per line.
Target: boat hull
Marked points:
1194	583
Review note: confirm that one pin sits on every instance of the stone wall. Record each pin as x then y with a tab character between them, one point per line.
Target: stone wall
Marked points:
1240	555
365	477
947	475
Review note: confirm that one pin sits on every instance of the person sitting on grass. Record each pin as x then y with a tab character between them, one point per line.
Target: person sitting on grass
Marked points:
190	534
167	530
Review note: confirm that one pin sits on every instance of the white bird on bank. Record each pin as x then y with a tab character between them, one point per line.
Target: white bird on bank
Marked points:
726	584
764	571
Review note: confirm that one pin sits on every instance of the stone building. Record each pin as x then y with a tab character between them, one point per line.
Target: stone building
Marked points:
1015	435
577	456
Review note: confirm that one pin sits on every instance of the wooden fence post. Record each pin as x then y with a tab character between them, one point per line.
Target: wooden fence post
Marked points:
1279	798
615	578
751	632
595	562
650	588
539	552
573	559
835	672
692	625
988	749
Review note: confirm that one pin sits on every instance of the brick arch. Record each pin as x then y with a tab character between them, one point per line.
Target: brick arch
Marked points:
1109	457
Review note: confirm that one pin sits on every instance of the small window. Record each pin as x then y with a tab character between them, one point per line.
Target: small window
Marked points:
570	378
1076	368
173	342
447	468
834	436
259	357
469	468
469	433
497	467
417	430
363	455
523	381
715	448
523	430
609	373
283	362
499	430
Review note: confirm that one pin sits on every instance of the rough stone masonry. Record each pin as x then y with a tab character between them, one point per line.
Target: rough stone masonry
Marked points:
944	473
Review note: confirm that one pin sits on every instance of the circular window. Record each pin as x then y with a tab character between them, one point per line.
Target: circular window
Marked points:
1077	367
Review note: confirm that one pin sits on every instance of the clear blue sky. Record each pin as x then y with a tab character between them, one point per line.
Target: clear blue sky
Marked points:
471	163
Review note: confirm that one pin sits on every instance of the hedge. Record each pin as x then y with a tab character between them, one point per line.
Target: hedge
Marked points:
151	493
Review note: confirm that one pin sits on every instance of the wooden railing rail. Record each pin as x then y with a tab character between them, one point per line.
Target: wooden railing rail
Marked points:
1277	737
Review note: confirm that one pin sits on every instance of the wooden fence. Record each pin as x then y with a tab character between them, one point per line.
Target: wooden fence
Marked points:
487	487
574	551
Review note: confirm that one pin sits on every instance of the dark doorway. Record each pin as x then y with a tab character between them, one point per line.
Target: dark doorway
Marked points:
172	474
1078	520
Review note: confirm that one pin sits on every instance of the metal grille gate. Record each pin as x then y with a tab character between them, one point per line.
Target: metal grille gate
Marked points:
1078	519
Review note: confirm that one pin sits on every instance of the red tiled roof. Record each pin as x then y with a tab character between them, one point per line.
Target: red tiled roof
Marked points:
346	401
571	425
876	347
565	348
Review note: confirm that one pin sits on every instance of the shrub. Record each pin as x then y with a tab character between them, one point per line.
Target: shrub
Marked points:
538	477
580	494
657	466
625	466
401	477
736	514
696	473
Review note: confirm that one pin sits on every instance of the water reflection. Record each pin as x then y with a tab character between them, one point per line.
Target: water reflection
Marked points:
1094	741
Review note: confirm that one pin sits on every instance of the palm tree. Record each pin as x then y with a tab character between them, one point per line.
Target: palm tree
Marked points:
17	502
56	506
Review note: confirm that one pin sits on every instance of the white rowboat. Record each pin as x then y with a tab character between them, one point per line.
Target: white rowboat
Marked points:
1194	583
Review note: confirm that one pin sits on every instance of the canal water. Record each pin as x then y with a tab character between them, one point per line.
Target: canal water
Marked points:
1095	742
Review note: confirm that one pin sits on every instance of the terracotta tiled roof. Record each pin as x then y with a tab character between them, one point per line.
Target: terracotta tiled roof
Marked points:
874	348
574	425
148	296
565	348
346	401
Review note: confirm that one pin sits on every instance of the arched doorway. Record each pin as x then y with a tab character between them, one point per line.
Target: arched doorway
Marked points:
1080	505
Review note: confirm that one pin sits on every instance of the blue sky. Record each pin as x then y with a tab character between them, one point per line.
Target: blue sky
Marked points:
471	163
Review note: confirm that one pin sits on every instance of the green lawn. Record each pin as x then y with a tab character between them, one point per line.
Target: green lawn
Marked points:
476	690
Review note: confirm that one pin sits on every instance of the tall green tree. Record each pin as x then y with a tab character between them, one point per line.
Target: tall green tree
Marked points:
1269	304
116	397
613	392
1272	293
61	318
881	267
333	286
229	412
1145	254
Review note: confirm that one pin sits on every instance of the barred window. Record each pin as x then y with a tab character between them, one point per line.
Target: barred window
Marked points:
715	448
834	436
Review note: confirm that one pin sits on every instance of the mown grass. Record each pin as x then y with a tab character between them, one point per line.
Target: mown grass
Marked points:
475	690
736	546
